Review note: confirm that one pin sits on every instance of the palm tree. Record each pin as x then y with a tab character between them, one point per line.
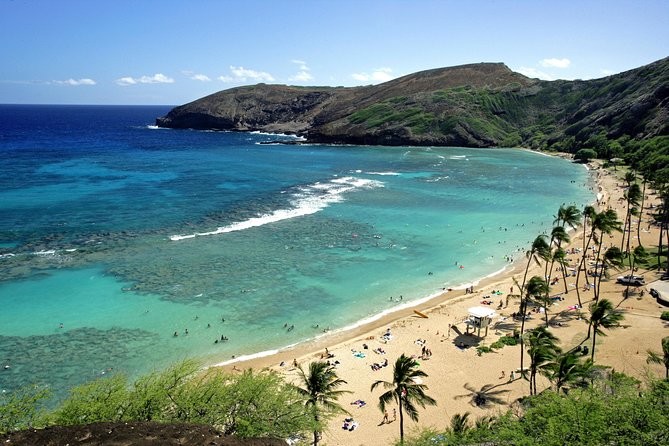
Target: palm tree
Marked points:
588	214
602	314
633	197
460	423
538	250
568	216
320	390
405	390
560	256
641	205
535	288
542	348
558	237
566	370
613	258
656	358
638	254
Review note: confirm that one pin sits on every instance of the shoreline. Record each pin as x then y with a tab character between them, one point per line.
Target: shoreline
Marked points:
455	369
366	326
274	357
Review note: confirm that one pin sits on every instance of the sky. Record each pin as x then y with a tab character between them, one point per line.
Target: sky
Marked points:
170	52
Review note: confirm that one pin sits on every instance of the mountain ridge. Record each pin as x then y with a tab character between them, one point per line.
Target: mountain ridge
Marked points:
473	105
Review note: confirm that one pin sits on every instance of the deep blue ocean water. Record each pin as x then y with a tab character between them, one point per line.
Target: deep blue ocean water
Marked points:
115	235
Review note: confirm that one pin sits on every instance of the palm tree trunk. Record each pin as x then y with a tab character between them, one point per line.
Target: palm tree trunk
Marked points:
594	339
581	265
401	420
627	217
598	279
523	305
638	225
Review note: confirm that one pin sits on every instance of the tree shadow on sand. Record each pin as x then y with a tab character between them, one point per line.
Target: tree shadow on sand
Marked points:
486	396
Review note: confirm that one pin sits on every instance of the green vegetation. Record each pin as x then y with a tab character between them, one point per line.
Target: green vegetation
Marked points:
498	344
611	411
249	404
665	316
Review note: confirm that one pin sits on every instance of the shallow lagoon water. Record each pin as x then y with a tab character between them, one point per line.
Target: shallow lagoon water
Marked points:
127	234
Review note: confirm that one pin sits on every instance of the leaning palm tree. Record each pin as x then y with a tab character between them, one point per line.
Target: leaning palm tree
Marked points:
613	258
320	391
535	288
639	254
542	348
539	250
604	315
559	236
560	257
633	198
656	358
589	213
405	390
605	222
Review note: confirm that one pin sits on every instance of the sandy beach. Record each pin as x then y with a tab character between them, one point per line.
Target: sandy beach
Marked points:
453	371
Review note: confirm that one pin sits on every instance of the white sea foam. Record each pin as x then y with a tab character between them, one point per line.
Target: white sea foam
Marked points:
307	200
49	252
262	354
384	173
286	135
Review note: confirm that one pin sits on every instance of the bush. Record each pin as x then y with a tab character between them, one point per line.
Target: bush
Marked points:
665	316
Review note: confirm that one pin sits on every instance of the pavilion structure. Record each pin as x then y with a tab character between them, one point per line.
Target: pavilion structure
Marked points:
479	317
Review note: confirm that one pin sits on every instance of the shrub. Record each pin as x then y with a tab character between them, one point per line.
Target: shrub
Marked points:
665	316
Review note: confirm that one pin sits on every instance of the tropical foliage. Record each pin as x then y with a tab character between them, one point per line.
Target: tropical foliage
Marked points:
320	390
405	390
611	411
249	404
602	315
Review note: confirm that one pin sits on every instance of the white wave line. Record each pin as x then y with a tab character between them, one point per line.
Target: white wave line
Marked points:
309	200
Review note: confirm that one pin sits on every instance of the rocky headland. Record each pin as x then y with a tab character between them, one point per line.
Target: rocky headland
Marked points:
476	105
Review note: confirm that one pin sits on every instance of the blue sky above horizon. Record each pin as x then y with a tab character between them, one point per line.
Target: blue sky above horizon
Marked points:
171	52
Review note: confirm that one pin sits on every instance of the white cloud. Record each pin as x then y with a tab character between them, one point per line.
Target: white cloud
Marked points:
200	77
301	63
241	74
534	73
555	63
304	75
378	75
157	78
76	82
196	76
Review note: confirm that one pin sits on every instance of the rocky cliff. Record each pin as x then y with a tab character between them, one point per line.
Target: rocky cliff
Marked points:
477	105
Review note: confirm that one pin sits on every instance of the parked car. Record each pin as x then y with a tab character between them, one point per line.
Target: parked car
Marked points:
654	293
631	279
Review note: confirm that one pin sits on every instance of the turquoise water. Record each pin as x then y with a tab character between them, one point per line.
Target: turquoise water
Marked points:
126	234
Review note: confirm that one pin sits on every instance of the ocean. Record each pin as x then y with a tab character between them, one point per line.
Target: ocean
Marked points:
126	248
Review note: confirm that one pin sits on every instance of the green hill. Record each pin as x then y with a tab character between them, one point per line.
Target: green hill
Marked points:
477	105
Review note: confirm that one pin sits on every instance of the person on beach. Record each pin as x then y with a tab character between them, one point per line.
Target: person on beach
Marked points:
385	417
